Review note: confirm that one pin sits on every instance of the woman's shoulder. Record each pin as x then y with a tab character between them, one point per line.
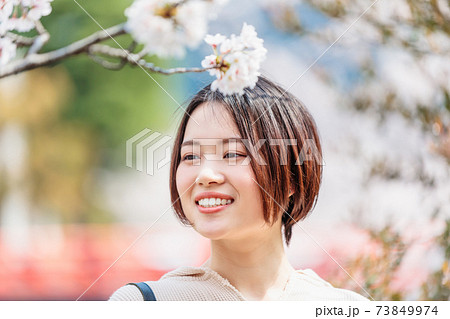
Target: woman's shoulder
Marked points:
131	292
127	293
183	283
308	285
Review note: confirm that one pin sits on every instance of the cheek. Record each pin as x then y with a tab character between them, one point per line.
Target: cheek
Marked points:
181	181
184	179
247	177
246	181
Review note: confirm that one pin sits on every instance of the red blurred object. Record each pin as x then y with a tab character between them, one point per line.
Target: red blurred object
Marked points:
61	262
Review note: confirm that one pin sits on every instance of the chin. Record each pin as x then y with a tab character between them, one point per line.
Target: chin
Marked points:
211	232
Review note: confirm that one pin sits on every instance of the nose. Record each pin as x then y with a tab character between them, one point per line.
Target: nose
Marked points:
208	176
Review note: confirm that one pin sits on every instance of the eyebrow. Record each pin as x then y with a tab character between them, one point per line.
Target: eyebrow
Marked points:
224	141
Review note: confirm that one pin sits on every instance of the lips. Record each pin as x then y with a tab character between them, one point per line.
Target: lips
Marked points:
212	210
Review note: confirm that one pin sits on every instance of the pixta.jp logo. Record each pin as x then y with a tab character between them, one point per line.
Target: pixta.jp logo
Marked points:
151	151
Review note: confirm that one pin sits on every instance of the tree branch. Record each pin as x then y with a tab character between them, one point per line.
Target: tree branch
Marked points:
33	60
40	40
20	40
107	64
136	59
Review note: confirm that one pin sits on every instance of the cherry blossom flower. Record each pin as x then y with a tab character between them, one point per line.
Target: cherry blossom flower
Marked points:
167	27
21	15
37	8
236	61
214	40
7	50
6	10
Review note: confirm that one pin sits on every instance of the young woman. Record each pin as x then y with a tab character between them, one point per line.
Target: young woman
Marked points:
244	170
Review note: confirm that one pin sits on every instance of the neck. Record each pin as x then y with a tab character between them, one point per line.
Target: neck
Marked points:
257	267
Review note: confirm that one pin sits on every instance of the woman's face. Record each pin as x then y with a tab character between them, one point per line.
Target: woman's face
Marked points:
213	165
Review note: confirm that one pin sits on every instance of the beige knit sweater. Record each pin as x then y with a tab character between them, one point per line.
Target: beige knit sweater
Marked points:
203	283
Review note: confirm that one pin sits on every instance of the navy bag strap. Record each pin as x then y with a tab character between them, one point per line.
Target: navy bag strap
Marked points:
146	291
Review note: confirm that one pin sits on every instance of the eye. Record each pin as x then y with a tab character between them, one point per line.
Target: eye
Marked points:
232	155
189	157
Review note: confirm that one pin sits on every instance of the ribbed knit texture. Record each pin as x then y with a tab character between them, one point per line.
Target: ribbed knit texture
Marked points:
204	284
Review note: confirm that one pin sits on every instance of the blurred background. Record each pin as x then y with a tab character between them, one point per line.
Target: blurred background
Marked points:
70	207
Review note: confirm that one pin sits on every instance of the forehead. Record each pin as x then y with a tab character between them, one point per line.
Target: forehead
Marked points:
211	120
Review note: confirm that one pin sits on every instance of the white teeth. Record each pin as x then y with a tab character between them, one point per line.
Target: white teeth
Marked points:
212	202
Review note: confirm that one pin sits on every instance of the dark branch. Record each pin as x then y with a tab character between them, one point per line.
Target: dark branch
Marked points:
33	61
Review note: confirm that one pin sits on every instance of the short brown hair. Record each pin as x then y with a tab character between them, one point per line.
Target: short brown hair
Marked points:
267	112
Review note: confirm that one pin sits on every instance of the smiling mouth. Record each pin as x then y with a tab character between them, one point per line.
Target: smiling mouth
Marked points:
214	202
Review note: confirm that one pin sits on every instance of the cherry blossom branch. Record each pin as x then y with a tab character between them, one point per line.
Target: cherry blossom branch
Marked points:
164	28
20	40
35	60
135	59
87	45
40	40
107	64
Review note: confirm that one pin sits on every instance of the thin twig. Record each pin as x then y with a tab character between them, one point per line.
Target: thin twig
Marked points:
142	53
130	49
40	27
136	59
40	40
20	40
106	64
151	67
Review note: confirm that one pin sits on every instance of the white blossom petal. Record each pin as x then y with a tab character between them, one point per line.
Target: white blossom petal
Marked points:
7	50
167	27
22	15
214	40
